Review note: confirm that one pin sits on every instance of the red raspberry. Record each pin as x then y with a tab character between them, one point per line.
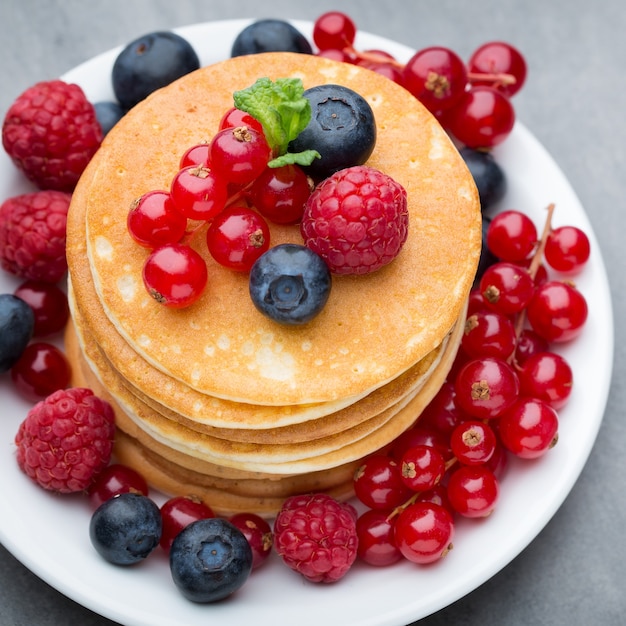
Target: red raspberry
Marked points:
32	235
51	132
316	536
66	440
356	220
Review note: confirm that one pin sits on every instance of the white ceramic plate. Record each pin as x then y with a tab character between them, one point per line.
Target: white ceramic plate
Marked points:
49	534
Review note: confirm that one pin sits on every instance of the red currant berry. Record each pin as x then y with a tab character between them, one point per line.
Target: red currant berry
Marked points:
483	118
237	237
488	333
437	77
420	436
548	377
424	532
529	343
198	193
334	30
499	460
258	534
113	480
476	302
473	442
49	304
177	513
234	118
473	490
486	387
557	311
511	236
529	428
442	413
280	193
239	155
197	155
378	483
41	370
377	546
335	55
437	495
422	468
153	220
499	65
508	288
567	249
175	275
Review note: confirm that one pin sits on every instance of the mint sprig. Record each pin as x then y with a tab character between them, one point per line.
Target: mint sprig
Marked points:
283	111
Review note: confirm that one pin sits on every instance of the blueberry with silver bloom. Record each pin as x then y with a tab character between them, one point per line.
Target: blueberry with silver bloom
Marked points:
17	324
270	35
489	177
290	284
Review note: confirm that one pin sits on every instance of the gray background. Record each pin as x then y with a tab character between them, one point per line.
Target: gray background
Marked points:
574	102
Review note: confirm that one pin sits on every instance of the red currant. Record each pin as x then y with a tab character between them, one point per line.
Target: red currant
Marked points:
486	387
49	304
424	532
567	249
473	490
113	480
557	311
473	442
237	237
234	118
548	377
499	65
41	370
258	533
198	193
378	483
175	275
335	30
177	513
529	428
420	435
508	288
437	495
529	343
488	333
377	546
153	220
197	155
422	467
442	413
511	236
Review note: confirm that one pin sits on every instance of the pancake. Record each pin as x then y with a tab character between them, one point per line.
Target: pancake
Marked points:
373	328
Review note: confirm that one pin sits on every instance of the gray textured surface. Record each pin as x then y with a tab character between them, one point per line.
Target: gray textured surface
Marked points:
574	102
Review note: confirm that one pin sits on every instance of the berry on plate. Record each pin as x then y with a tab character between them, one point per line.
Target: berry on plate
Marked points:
32	235
17	323
51	132
66	440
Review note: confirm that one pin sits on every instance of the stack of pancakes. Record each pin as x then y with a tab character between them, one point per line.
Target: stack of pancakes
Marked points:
216	399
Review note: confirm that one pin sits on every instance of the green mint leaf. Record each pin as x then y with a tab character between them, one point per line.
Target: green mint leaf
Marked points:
279	106
295	158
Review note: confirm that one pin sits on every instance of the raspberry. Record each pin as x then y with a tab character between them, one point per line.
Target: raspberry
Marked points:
356	220
51	132
66	440
32	235
316	536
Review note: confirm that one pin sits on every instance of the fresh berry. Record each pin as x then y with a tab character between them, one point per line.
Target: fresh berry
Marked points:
32	235
567	249
113	480
334	30
177	513
149	63
270	35
49	304
489	177
499	65
17	323
126	528
315	535
290	284
237	237
422	468
488	333
378	483
507	287
473	490
175	275
356	220
51	132
66	440
377	545
473	442
153	220
198	193
197	155
235	117
546	376
342	129
512	236
41	370
108	114
209	560
259	534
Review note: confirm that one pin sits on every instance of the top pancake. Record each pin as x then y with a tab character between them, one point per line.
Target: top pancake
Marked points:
373	327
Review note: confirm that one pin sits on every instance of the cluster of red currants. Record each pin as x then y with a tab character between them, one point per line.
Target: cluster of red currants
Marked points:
501	397
218	183
471	100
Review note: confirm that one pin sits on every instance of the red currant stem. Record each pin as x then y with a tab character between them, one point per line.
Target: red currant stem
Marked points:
501	78
375	57
536	262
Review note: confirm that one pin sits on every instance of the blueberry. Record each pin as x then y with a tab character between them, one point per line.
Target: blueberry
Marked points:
488	176
290	284
342	129
149	63
270	35
487	257
17	323
126	528
210	559
108	114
